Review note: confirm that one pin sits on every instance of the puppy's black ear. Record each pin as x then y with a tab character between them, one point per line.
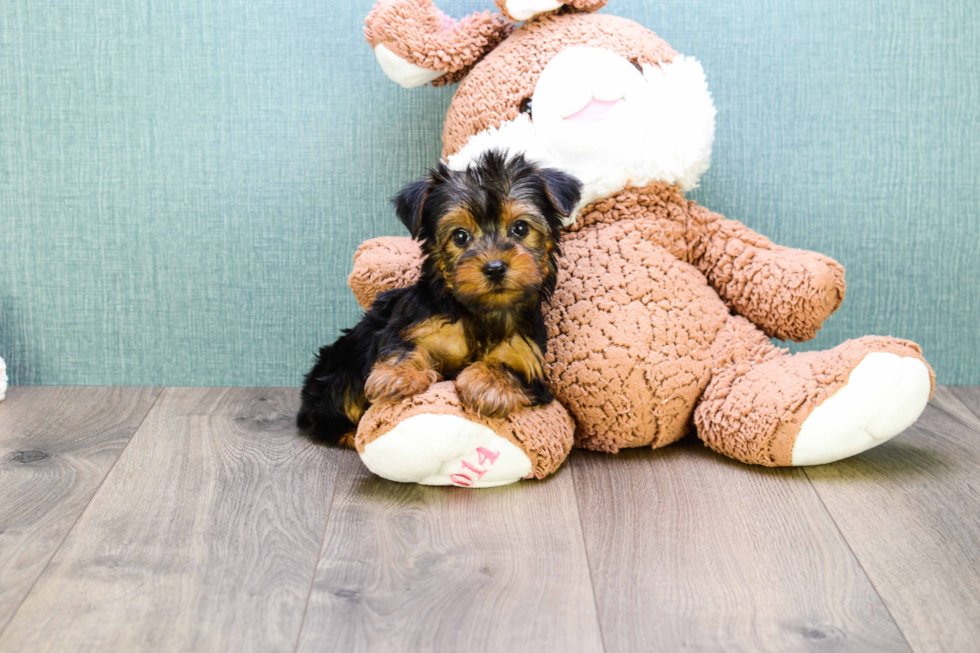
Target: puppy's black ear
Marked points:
563	190
408	205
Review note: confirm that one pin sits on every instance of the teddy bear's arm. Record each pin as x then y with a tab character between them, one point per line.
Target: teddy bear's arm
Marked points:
383	264
787	292
415	43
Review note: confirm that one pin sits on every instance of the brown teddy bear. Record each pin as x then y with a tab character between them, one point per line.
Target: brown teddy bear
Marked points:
664	309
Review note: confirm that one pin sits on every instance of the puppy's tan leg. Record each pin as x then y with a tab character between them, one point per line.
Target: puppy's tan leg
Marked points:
521	355
490	389
501	382
400	378
347	439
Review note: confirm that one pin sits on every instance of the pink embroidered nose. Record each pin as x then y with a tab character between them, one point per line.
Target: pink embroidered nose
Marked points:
594	111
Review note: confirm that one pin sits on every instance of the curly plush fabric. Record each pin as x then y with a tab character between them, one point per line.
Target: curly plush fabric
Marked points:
492	94
578	5
383	264
545	434
663	310
759	395
787	292
419	33
646	285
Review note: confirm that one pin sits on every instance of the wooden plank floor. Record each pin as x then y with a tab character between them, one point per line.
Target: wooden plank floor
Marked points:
135	519
56	447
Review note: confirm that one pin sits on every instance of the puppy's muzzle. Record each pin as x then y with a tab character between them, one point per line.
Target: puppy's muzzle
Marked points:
495	270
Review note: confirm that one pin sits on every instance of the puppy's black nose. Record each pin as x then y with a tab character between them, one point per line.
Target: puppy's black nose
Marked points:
495	270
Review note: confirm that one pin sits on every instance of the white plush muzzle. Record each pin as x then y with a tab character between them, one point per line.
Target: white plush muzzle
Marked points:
596	116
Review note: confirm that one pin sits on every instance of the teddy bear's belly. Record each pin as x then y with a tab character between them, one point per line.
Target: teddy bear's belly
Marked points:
630	331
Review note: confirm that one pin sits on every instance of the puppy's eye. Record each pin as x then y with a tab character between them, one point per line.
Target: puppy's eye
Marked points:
461	237
636	64
520	229
526	106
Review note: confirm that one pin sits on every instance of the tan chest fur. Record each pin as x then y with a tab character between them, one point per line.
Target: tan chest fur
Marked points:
450	347
443	342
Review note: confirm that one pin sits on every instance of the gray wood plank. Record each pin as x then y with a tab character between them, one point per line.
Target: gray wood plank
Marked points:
963	403
406	568
910	510
203	537
56	447
692	551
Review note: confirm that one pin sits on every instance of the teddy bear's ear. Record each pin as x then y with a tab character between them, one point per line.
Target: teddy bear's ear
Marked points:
415	43
518	10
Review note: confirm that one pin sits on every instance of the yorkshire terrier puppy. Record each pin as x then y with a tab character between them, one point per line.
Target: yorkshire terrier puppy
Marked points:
490	238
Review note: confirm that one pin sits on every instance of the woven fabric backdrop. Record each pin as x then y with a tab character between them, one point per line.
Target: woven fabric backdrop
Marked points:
182	184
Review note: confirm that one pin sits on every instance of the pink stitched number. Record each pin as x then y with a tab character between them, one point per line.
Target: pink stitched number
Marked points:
479	470
486	454
484	457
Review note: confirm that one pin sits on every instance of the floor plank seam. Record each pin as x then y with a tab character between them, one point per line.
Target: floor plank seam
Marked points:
956	418
588	560
864	571
68	532
968	404
316	564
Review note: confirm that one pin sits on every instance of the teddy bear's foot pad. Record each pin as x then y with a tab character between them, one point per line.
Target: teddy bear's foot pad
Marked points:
883	396
433	449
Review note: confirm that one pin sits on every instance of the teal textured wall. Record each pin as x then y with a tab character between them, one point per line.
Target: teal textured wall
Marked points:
182	184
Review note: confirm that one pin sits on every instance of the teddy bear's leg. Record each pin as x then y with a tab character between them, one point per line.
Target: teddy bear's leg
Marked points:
766	407
429	439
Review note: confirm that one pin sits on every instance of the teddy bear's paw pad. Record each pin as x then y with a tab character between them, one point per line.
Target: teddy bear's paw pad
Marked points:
526	9
431	449
404	73
883	396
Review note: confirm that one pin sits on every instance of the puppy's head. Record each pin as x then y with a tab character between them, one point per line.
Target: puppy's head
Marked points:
490	232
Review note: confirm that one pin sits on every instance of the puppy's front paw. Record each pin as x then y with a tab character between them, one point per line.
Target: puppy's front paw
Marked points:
397	381
490	390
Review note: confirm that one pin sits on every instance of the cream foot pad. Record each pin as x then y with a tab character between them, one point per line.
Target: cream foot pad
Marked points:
884	395
432	449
